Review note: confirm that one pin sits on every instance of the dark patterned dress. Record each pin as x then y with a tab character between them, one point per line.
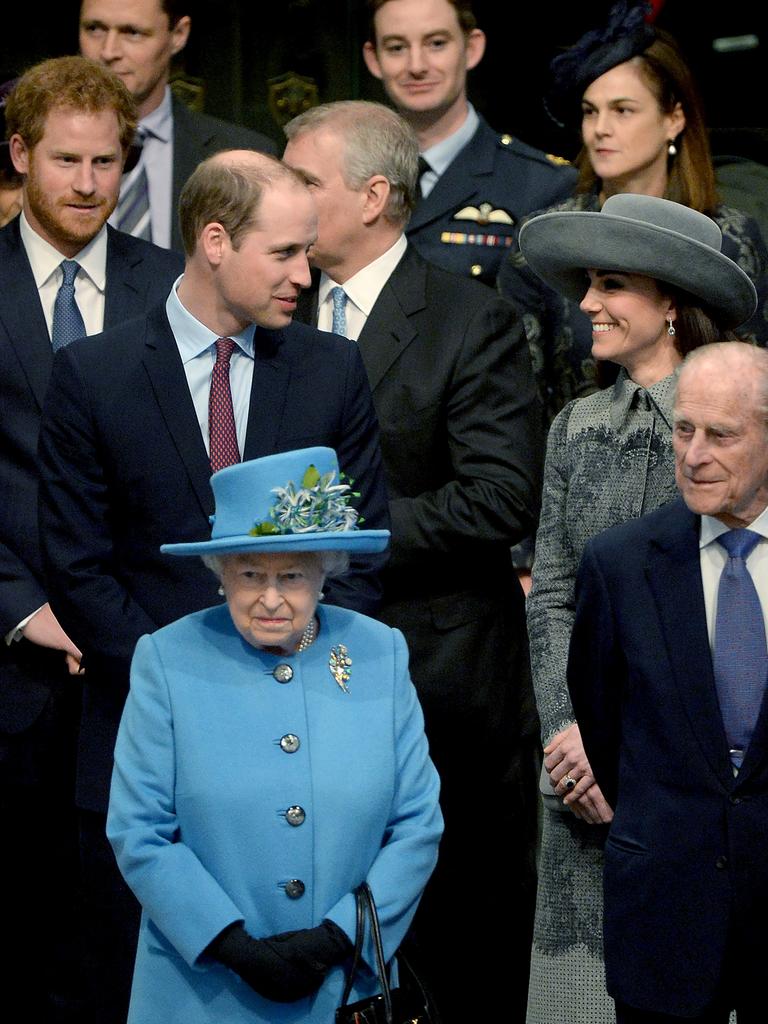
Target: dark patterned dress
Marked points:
609	459
560	335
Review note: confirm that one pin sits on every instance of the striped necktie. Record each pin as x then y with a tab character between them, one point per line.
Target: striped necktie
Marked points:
133	214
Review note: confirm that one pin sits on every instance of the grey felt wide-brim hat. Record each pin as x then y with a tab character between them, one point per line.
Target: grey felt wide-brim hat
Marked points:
639	235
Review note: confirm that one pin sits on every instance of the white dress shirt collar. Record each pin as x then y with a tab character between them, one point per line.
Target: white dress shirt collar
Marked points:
363	288
711	528
44	259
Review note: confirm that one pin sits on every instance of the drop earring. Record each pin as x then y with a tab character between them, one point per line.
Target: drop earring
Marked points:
671	327
671	148
221	591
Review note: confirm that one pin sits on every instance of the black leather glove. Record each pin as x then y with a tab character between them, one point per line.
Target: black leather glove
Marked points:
284	967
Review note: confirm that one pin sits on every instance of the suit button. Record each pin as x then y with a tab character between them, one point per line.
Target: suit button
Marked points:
290	743
283	673
721	862
294	889
734	800
295	815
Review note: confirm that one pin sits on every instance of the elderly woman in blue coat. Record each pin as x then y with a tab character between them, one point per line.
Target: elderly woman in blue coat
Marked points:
271	757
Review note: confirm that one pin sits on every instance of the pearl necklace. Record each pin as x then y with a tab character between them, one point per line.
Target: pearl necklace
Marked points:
308	636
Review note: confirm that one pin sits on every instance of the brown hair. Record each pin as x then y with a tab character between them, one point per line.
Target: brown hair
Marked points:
695	323
67	83
463	8
691	175
228	192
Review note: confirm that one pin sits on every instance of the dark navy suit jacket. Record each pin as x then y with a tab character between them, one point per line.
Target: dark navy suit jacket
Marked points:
685	859
124	469
138	274
495	169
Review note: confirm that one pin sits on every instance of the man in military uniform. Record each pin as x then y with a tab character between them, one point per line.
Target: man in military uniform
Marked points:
476	185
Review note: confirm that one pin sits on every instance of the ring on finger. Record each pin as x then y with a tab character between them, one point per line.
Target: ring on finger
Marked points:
569	783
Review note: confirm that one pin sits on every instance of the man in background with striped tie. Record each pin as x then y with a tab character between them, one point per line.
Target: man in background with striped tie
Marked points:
138	39
63	274
136	421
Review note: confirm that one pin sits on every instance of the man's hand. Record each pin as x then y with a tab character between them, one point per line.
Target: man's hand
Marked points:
44	630
571	777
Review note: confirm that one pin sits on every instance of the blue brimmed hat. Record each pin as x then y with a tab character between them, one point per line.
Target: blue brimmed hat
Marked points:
292	501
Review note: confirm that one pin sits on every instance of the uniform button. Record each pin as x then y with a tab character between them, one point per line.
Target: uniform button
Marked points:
721	862
289	743
283	673
475	270
294	889
295	815
734	800
506	140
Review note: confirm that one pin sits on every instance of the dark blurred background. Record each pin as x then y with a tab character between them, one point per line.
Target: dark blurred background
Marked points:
257	63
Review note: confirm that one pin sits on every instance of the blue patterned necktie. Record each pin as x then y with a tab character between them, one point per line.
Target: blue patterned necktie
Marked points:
740	654
67	320
133	214
339	325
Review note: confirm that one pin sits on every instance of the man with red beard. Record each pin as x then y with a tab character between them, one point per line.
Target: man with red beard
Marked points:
63	274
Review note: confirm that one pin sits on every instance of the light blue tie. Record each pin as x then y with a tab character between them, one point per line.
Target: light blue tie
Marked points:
339	325
67	320
740	653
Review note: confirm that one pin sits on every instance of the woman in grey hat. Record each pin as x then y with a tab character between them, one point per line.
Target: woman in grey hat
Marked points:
271	757
650	276
633	98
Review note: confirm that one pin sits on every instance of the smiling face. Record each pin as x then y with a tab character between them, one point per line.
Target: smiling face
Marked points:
260	280
720	439
272	597
134	39
629	324
626	133
422	56
72	176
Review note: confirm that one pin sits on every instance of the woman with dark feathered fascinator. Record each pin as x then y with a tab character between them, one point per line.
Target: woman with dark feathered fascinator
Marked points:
630	94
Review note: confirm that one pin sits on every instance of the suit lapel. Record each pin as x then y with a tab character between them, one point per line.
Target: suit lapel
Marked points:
460	182
21	313
389	328
269	393
674	576
124	293
169	384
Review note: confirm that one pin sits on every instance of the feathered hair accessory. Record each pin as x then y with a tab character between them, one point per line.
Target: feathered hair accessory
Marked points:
627	33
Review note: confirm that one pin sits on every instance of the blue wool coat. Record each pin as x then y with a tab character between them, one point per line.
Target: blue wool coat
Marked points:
202	783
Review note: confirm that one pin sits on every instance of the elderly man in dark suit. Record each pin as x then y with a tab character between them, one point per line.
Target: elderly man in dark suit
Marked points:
451	381
476	184
70	124
668	674
136	420
137	39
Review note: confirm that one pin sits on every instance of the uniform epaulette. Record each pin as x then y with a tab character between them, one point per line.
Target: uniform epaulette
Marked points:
523	149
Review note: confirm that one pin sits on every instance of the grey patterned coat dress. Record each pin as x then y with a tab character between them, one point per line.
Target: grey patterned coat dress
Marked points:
609	459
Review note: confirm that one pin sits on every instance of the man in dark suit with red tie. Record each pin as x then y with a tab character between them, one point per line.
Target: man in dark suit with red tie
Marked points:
132	427
69	124
667	675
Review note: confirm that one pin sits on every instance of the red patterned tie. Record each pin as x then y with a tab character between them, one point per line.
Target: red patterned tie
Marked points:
221	417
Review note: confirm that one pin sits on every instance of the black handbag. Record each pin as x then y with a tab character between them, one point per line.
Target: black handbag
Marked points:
408	1004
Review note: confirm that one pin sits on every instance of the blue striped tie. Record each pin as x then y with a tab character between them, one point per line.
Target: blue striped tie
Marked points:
133	213
67	320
